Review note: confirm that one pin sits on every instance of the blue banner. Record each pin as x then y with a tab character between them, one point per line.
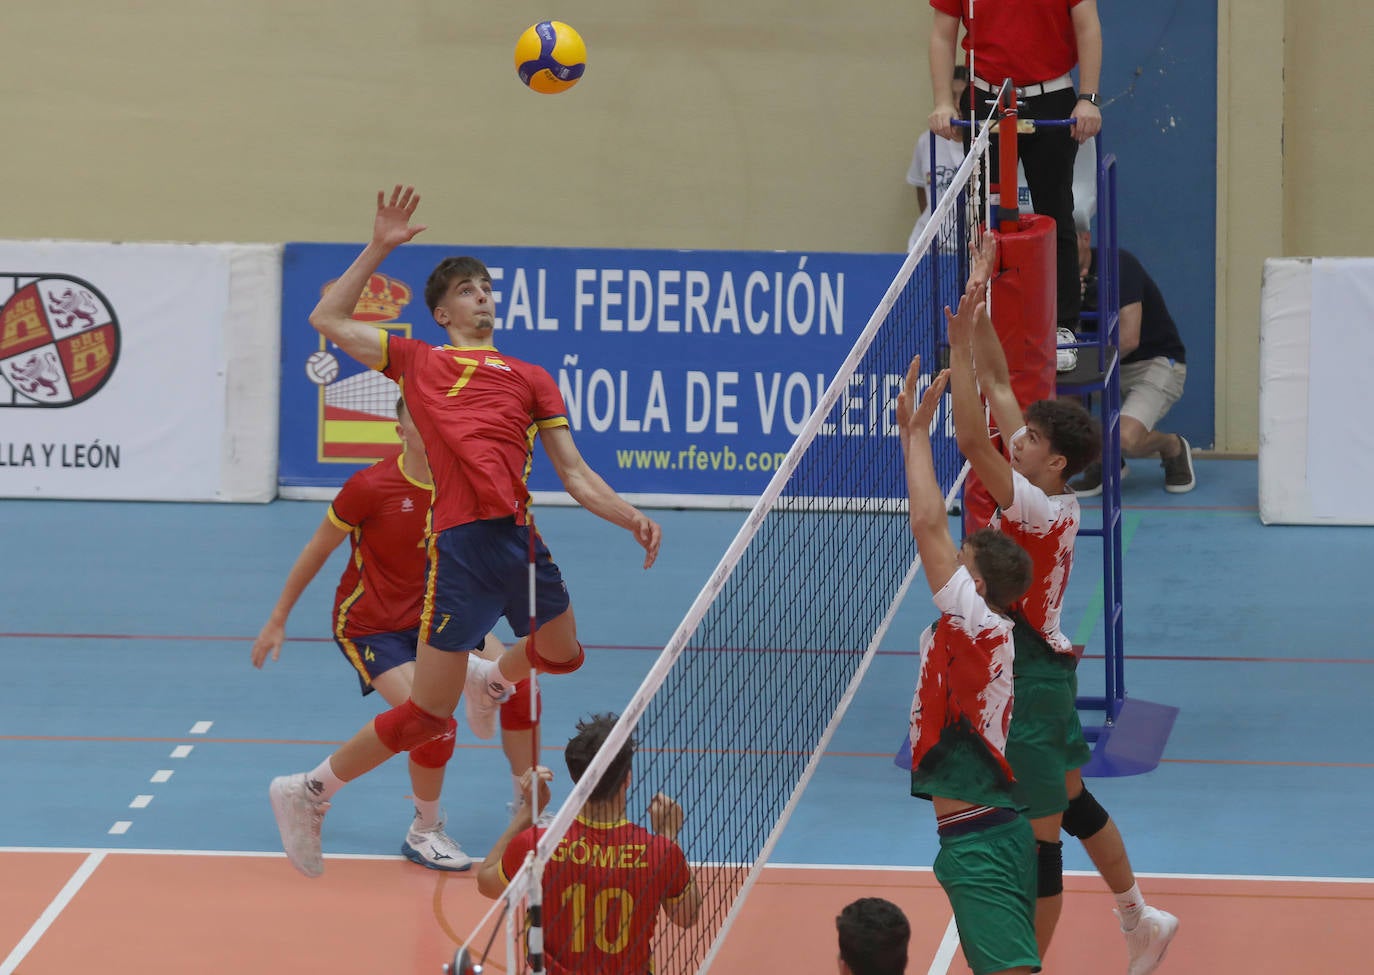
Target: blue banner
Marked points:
686	373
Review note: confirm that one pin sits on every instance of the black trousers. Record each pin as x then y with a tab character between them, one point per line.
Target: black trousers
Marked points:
1048	158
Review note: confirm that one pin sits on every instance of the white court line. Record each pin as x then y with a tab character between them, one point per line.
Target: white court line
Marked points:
140	802
893	868
49	915
161	775
120	828
944	956
201	727
181	751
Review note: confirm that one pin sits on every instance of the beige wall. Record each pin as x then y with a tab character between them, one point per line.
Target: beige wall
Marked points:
1328	146
1294	140
274	120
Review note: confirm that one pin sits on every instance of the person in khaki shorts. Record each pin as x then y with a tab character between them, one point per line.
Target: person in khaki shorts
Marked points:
1153	370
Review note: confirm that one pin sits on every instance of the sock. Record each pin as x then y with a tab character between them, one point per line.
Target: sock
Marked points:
322	782
489	673
427	813
1129	904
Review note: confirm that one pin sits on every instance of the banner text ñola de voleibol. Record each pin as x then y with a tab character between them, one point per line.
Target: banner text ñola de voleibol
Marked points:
698	402
669	300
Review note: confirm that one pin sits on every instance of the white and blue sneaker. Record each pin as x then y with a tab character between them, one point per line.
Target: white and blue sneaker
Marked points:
433	848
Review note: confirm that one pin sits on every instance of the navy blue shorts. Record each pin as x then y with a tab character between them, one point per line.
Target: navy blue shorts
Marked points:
376	653
478	573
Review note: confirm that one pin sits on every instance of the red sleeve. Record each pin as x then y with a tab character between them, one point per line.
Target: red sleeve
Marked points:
952	8
353	503
548	401
677	874
400	353
514	857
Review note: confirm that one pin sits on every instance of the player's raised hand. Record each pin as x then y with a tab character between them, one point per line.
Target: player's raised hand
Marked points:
960	324
649	535
982	263
930	401
543	776
392	226
665	815
906	399
269	641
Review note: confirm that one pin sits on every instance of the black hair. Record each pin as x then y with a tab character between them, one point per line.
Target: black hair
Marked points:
874	935
582	748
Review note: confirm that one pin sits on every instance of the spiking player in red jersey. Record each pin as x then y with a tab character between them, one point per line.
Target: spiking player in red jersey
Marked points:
383	511
608	877
961	710
478	412
1053	442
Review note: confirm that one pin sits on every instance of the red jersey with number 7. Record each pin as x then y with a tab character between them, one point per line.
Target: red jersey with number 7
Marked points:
602	889
478	412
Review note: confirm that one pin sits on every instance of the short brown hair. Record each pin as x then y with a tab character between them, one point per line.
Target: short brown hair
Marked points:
452	269
1004	566
591	735
1071	431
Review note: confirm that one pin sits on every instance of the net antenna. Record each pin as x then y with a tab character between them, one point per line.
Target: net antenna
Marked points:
736	712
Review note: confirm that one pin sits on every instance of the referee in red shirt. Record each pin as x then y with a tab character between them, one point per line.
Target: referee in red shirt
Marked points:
1036	43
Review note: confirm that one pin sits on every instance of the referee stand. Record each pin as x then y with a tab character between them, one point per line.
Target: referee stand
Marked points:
1132	735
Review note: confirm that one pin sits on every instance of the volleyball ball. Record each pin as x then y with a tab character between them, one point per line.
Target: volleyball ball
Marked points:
322	368
550	57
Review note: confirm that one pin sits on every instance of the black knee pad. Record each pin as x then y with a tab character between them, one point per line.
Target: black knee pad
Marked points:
1085	818
1050	869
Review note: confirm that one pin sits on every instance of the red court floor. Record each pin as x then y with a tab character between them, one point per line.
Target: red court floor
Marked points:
122	913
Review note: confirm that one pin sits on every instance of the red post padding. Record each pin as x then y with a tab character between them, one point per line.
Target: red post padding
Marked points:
1023	313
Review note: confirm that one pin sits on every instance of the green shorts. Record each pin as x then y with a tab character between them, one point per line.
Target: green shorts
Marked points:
1045	742
989	878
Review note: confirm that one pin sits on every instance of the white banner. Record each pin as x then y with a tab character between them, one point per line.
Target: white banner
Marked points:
1316	449
1340	453
112	370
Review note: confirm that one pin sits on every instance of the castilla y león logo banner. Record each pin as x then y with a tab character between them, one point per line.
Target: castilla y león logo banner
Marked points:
59	341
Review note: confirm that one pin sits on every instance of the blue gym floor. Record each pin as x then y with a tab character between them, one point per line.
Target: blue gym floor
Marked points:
133	721
126	624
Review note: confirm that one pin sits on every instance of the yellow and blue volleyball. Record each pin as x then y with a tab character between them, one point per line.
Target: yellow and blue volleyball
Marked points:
550	57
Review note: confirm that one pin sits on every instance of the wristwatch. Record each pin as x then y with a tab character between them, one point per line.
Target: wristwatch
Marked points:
1088	96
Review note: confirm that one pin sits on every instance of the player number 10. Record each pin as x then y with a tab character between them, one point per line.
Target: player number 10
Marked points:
576	896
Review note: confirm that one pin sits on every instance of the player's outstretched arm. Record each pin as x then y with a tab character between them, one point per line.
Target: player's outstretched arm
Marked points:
590	490
665	816
308	564
333	316
926	502
994	378
490	882
970	428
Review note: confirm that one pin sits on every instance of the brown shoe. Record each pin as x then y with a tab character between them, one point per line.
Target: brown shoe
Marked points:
1178	470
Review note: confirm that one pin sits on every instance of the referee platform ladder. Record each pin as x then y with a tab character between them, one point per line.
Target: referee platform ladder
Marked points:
1132	735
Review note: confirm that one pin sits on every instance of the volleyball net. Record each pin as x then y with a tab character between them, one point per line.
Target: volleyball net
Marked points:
734	715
